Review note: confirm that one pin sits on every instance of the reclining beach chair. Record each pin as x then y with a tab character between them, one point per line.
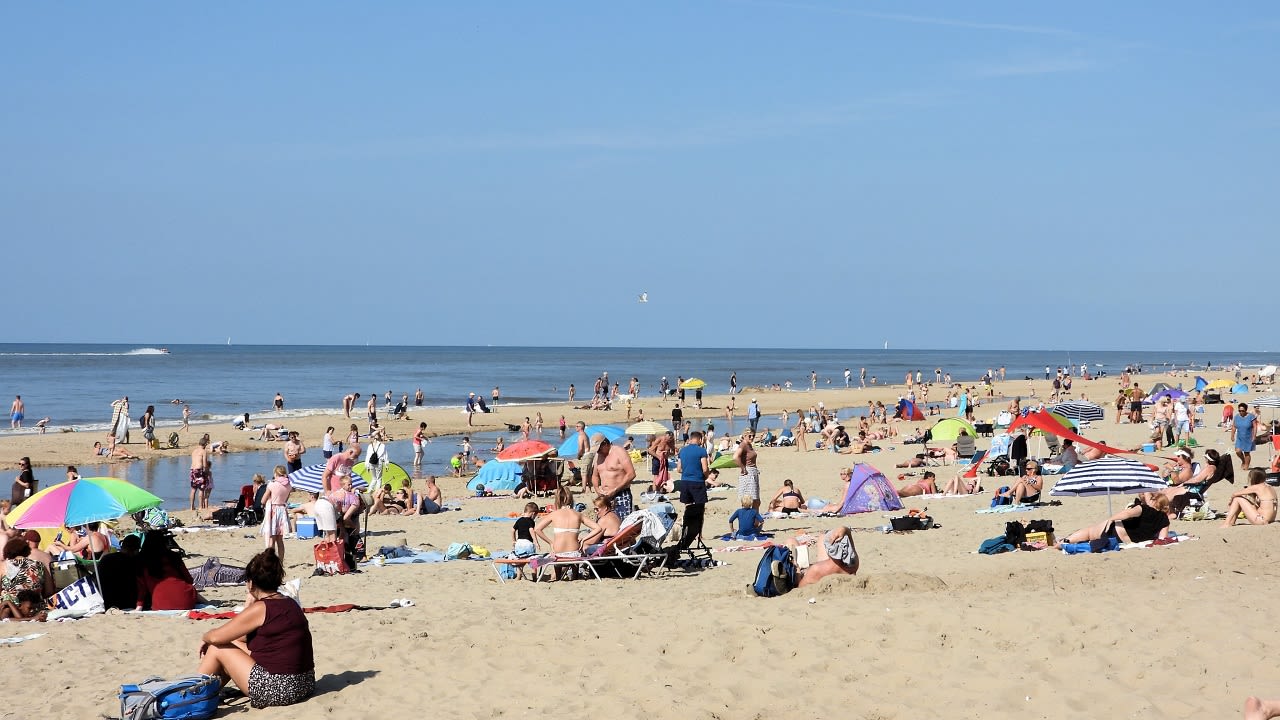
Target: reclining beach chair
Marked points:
588	562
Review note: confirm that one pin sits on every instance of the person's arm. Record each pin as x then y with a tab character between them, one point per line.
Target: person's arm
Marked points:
706	467
1127	513
542	525
249	619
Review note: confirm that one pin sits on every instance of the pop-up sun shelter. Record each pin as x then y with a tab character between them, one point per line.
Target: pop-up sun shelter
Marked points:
869	491
908	410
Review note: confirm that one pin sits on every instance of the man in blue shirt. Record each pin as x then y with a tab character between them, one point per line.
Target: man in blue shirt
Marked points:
694	468
753	415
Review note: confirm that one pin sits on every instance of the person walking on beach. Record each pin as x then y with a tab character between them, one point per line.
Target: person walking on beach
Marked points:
17	411
753	415
733	383
813	379
326	447
862	378
349	404
801	429
419	437
573	392
200	474
848	378
563	428
275	511
677	416
293	451
186	418
1244	428
633	388
372	410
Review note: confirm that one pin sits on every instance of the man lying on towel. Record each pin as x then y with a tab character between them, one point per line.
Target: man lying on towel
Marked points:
835	555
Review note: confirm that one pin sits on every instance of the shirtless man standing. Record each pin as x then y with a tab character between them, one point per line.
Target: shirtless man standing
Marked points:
612	475
349	404
199	473
17	412
373	410
293	451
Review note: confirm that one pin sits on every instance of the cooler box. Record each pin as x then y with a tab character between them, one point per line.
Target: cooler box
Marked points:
307	528
1149	447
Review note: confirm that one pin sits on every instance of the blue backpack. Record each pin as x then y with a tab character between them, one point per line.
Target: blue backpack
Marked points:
771	584
192	697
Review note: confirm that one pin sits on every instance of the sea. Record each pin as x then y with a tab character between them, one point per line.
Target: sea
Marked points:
74	385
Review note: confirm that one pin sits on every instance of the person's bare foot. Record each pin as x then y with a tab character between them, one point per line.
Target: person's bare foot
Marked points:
1255	709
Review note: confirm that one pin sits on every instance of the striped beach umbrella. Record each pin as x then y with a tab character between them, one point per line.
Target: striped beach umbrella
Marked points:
1269	401
308	479
1079	410
1108	476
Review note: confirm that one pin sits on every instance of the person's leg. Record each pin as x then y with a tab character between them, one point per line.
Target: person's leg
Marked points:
1255	709
1093	532
1233	511
278	541
227	662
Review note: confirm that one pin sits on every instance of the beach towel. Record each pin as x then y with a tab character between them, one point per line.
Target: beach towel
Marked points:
750	537
345	607
20	638
1004	509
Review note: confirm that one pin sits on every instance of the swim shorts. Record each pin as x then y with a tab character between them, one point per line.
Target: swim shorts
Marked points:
197	478
17	417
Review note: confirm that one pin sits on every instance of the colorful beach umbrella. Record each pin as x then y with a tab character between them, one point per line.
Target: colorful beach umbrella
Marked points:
693	384
646	427
392	474
1220	383
526	450
569	448
948	429
308	478
81	501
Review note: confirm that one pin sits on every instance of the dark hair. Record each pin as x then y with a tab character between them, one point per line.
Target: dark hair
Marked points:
30	596
131	543
265	571
156	556
16	548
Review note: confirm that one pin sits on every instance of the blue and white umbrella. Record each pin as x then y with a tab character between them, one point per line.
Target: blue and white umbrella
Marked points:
1079	410
1271	401
308	479
1108	476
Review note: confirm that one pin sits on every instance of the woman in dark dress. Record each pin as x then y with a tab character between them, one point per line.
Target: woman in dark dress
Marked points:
24	486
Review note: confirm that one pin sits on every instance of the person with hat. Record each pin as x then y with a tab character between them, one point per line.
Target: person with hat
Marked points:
612	475
753	416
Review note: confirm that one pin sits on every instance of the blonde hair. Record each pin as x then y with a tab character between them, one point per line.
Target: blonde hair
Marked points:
747	501
281	471
258	479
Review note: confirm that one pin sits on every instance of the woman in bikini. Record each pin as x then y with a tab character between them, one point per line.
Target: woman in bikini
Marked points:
607	521
788	500
926	485
1257	501
1026	489
566	523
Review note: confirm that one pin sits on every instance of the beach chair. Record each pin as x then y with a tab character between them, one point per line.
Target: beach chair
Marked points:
973	461
587	562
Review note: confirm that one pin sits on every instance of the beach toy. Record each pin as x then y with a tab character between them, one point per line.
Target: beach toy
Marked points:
307	528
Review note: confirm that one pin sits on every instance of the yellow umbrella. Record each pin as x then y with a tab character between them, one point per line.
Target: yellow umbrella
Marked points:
693	384
1223	383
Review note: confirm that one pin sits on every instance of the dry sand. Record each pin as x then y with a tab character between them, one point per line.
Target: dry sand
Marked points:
928	628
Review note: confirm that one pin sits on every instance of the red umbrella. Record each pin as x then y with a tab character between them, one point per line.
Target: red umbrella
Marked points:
525	450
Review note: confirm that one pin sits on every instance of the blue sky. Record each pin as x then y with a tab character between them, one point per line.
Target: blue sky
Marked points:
772	173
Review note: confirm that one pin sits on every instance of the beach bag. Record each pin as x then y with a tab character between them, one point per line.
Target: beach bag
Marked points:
999	499
457	551
191	697
999	466
769	584
225	516
330	558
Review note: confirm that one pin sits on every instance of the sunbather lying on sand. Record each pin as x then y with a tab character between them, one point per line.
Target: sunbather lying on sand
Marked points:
835	555
923	486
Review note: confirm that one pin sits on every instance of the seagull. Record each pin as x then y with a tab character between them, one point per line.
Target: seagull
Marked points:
644	297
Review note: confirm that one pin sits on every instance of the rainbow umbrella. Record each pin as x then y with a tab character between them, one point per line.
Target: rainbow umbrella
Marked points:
80	502
525	450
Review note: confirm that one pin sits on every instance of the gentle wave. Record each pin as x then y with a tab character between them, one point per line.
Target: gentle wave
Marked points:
135	351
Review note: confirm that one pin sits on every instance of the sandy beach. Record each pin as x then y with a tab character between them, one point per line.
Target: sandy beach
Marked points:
928	628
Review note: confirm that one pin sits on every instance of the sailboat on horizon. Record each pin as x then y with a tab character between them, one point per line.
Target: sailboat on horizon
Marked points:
886	344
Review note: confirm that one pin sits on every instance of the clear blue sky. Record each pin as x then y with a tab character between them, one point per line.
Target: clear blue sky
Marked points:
772	173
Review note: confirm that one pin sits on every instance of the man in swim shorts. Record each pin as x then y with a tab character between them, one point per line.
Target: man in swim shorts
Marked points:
17	412
199	472
612	474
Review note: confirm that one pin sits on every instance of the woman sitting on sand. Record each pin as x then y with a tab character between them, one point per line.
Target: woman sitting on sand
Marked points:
1146	519
788	500
1257	501
924	486
266	649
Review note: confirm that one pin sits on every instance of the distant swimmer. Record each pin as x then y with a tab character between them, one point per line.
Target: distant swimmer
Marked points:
176	401
644	297
278	403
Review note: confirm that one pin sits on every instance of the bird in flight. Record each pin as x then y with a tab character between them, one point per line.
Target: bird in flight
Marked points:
644	297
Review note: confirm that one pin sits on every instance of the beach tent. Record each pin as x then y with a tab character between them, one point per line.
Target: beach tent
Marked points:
497	476
1239	388
1159	387
869	491
948	429
908	410
1201	383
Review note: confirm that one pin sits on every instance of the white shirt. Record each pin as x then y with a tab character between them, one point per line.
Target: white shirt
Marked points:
326	516
1180	412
